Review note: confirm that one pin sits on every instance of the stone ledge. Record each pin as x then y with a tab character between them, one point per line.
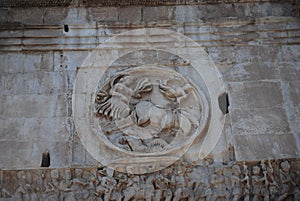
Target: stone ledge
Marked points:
100	3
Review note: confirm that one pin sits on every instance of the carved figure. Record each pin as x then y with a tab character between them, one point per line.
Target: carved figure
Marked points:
265	188
237	183
218	185
259	190
134	190
67	193
287	183
175	93
91	187
80	184
162	189
22	192
106	187
182	191
115	103
247	180
52	192
181	181
271	187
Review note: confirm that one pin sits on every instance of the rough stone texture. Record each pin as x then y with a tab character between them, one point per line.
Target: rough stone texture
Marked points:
130	14
104	14
25	16
54	15
254	44
281	146
161	13
276	178
250	95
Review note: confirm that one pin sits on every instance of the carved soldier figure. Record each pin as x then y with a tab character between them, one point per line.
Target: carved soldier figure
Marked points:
52	189
259	191
270	182
91	187
79	185
149	187
265	188
182	190
218	185
287	183
247	181
134	190
162	190
67	193
236	182
107	186
24	192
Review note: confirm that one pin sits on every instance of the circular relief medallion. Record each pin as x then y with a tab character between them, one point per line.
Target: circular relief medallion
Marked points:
148	110
142	119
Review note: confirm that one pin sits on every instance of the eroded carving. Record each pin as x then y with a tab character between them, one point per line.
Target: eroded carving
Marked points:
181	181
147	109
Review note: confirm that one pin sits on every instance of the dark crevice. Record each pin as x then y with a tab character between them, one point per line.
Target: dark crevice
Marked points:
45	159
224	103
66	28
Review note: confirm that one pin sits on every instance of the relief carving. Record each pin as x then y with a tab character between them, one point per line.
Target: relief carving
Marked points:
237	183
288	186
147	109
181	181
139	110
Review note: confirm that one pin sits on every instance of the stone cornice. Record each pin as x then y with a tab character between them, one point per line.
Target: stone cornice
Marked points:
104	3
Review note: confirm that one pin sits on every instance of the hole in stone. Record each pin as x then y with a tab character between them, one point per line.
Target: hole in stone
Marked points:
61	65
66	28
224	103
45	159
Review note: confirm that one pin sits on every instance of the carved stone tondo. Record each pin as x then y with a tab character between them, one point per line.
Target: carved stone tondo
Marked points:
142	117
148	110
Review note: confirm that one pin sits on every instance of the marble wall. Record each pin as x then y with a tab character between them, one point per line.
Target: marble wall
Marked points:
254	45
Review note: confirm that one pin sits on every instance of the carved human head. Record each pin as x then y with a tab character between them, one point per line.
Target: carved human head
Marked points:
256	170
54	174
68	174
78	172
236	169
21	175
285	166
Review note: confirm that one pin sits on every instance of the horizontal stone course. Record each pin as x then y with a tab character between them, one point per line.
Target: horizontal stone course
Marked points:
37	129
30	16
259	121
34	83
252	71
29	62
104	14
57	3
33	106
257	94
130	14
265	147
